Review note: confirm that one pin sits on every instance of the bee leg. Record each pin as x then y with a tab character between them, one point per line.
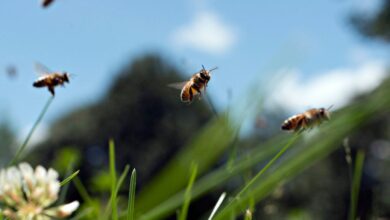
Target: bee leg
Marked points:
200	93
300	126
191	96
51	89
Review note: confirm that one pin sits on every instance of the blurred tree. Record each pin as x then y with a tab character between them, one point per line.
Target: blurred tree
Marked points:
377	26
144	117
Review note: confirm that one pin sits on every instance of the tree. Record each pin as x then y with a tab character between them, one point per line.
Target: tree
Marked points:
376	26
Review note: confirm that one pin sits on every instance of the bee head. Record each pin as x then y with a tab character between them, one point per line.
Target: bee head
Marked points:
205	74
324	113
66	76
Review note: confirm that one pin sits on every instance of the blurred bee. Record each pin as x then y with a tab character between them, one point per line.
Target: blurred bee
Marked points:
192	88
308	119
11	71
49	78
46	3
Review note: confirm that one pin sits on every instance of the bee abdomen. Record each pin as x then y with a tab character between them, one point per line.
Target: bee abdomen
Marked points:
290	124
287	125
39	83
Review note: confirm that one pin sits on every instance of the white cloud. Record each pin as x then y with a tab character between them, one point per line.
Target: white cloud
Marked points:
206	33
334	87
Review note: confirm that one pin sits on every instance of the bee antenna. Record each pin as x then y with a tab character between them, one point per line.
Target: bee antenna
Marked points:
329	107
213	69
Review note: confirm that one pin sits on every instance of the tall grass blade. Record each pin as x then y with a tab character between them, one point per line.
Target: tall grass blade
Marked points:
265	168
131	203
114	208
69	178
217	205
357	175
19	152
187	195
117	188
65	189
82	190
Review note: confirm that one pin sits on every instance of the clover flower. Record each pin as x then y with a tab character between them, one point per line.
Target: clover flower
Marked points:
27	194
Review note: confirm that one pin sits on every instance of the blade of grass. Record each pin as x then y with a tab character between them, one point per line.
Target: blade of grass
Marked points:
82	190
217	205
113	180
357	175
187	195
131	203
265	168
69	178
64	190
19	152
117	188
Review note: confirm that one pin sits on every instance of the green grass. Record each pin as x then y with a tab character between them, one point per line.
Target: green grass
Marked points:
265	168
113	200
131	202
69	178
187	194
357	175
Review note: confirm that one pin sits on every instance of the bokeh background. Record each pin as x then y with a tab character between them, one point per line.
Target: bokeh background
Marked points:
273	59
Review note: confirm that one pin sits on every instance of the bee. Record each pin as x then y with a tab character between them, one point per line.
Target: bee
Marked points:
46	3
308	119
11	71
50	79
193	87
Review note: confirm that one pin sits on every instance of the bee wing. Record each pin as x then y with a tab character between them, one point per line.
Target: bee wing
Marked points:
177	85
41	69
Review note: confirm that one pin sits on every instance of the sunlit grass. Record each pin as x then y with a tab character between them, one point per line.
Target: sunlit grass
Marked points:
187	194
217	205
131	199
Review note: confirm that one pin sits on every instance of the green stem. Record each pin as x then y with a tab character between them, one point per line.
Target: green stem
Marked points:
357	175
130	208
265	168
113	180
23	146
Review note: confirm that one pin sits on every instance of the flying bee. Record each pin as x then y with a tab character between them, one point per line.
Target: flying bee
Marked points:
193	87
46	3
11	71
50	79
308	119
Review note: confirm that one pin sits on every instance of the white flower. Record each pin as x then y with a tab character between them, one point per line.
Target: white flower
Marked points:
27	194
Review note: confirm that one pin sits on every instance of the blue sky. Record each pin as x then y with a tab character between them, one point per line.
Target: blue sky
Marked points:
247	41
